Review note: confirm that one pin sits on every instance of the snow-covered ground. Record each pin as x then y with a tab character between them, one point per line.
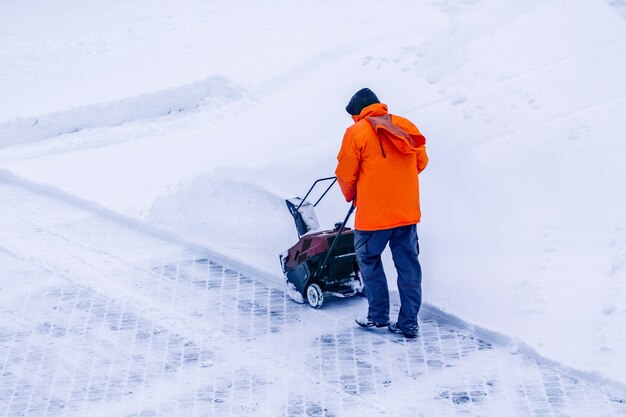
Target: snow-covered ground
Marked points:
111	317
201	117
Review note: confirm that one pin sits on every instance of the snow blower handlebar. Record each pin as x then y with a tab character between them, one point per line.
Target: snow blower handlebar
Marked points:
323	194
304	226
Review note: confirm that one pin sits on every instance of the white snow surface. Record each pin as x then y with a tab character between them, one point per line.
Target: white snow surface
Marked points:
202	117
111	316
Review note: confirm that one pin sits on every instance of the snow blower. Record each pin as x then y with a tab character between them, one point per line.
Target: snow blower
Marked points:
323	262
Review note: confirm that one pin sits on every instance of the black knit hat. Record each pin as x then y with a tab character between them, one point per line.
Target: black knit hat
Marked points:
360	100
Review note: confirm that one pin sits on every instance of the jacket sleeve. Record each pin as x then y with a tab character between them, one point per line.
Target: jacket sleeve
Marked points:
422	159
349	160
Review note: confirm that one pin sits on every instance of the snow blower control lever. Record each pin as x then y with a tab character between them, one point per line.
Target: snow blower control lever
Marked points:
323	261
332	247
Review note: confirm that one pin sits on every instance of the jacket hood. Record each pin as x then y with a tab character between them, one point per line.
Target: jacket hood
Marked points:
404	141
376	109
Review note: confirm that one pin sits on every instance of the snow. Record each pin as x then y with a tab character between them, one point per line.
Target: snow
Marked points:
201	118
206	94
110	317
305	212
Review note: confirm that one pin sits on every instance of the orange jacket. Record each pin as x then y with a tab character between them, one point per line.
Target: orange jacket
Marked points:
379	161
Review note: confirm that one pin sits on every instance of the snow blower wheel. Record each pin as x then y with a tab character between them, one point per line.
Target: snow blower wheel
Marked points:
315	296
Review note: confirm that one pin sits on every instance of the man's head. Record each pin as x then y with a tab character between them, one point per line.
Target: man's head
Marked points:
360	100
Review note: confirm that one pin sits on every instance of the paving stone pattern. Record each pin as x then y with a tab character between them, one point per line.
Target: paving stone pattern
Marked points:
113	322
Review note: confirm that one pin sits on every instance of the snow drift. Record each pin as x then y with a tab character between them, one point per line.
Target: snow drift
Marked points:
213	91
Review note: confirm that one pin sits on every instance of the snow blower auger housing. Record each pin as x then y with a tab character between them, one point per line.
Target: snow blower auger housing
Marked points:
323	262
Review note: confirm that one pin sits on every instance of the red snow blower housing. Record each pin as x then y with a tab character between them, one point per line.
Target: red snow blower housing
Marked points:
323	262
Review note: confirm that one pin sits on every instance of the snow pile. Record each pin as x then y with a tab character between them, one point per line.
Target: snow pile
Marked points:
231	216
210	93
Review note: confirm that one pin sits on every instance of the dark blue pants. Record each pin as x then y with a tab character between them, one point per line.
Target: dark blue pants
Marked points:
404	247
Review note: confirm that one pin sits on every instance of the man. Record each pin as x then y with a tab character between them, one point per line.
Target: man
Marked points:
378	166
